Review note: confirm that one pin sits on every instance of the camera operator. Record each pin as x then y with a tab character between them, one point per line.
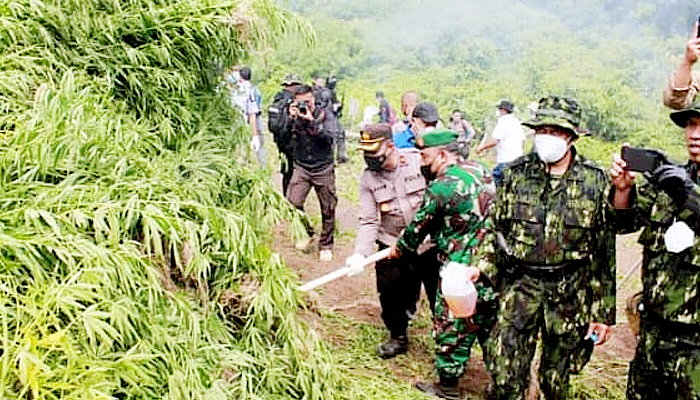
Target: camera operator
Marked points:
667	209
313	166
683	85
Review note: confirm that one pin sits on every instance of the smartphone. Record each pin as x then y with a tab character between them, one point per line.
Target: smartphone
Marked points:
642	160
698	34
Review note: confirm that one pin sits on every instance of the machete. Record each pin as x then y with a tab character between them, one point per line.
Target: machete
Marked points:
343	271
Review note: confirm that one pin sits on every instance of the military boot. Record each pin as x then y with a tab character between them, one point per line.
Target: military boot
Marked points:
393	347
446	388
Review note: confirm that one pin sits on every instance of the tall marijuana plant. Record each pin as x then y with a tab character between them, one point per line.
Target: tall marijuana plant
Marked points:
133	262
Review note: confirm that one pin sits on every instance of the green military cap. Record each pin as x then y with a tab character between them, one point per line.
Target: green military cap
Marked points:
558	111
439	137
373	135
681	117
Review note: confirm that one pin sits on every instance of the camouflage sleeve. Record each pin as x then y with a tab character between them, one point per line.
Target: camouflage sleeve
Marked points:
602	279
426	221
623	220
486	258
642	201
492	254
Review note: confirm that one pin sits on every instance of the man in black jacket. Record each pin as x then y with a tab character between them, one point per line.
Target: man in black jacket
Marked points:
313	165
279	125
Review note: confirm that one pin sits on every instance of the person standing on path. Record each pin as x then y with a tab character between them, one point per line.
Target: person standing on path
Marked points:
455	213
554	260
313	167
508	137
666	207
391	190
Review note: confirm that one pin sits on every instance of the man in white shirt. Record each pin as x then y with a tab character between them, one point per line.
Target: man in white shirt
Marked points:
508	137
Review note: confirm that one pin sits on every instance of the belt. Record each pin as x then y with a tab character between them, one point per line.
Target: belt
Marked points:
552	270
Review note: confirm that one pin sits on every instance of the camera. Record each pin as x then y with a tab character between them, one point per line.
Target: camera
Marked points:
303	107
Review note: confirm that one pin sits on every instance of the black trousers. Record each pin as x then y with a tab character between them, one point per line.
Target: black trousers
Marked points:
399	282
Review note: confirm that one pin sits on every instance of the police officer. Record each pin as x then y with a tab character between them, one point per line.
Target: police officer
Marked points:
455	214
391	189
556	258
666	364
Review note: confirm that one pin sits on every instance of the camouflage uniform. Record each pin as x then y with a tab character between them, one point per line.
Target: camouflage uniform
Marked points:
667	359
454	212
556	271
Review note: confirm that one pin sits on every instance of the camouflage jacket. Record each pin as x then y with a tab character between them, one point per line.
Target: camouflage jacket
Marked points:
553	220
670	280
454	213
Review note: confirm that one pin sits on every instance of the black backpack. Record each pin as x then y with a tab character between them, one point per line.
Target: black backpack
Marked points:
278	113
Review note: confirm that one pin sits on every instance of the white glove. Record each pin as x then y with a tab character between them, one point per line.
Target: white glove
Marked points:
356	262
255	143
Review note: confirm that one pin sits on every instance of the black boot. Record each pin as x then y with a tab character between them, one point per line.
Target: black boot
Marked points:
447	388
393	347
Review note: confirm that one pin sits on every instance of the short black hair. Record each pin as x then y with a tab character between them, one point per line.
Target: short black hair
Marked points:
245	73
303	89
457	110
379	95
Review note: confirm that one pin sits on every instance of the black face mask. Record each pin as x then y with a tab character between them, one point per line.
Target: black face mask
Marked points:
427	173
375	163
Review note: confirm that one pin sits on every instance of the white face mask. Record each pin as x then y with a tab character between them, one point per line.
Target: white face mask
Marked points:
550	148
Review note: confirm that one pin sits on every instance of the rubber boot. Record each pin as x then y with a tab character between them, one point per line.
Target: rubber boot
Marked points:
393	347
446	388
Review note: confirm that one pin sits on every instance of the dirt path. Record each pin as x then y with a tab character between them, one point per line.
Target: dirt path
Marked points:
356	297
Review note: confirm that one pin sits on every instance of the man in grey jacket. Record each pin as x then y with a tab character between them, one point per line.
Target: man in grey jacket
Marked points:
391	190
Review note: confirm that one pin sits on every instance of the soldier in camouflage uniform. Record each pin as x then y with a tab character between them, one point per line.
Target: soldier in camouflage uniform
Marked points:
667	360
555	258
455	214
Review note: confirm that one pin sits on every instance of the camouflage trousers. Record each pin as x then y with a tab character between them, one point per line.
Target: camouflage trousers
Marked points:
529	306
666	364
455	336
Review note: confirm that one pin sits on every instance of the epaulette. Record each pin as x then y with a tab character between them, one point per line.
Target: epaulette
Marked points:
524	159
591	164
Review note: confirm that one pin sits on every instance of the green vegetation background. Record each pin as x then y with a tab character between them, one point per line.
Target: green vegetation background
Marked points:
614	56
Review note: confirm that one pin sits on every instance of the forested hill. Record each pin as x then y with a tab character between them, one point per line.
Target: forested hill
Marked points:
614	56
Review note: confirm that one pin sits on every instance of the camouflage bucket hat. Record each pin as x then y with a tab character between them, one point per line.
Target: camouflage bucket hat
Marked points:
558	111
681	117
292	79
